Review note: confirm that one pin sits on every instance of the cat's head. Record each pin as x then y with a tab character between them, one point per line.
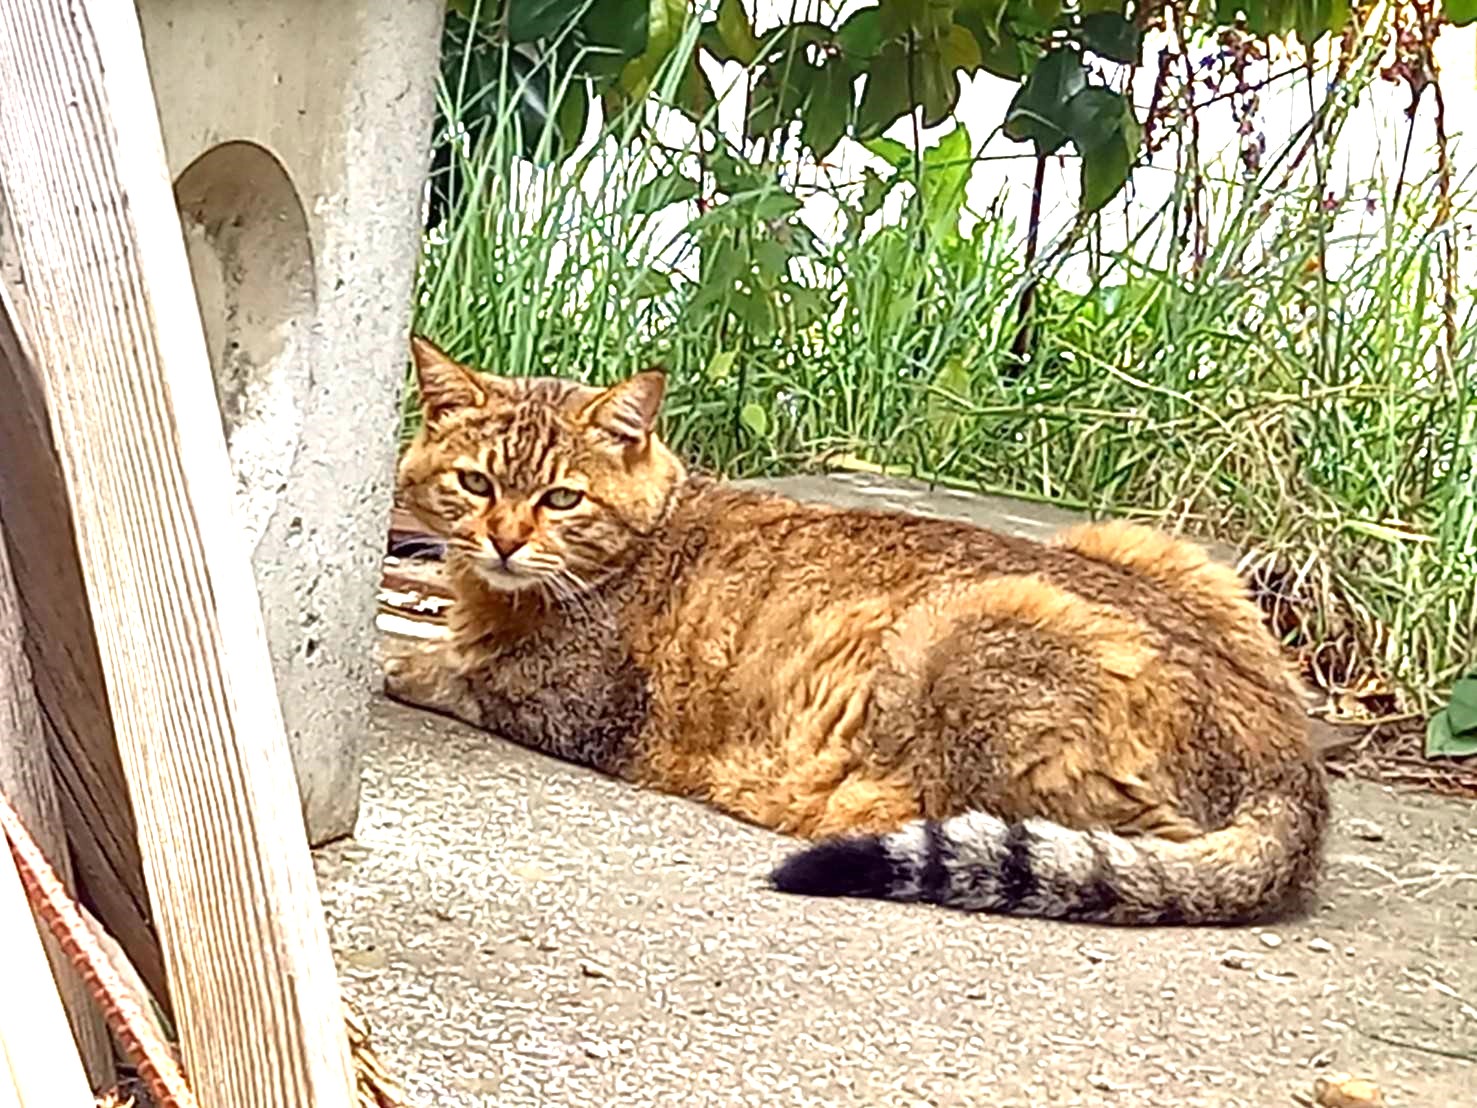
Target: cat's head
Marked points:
536	481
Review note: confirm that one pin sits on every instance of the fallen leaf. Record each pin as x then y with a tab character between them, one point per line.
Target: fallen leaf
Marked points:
1344	1091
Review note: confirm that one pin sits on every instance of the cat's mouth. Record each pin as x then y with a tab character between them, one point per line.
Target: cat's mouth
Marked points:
526	568
505	577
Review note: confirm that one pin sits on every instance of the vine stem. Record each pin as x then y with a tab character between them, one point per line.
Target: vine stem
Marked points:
1443	214
1020	345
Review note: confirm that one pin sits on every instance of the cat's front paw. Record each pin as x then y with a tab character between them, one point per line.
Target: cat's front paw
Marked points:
392	672
408	670
428	675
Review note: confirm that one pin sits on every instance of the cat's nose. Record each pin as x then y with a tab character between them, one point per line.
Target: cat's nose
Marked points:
505	545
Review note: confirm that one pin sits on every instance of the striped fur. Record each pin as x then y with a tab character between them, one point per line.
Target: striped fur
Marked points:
1096	728
1256	865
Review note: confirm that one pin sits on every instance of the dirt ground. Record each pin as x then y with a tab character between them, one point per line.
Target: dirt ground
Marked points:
523	932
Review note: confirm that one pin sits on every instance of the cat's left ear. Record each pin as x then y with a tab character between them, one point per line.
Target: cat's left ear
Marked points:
628	410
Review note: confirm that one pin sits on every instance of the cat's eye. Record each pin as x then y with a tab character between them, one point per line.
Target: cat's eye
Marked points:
561	500
478	484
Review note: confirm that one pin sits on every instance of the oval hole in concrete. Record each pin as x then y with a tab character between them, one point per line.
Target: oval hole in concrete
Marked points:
252	261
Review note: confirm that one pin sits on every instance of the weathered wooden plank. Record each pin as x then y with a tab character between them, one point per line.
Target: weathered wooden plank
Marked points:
26	781
62	648
39	1066
116	335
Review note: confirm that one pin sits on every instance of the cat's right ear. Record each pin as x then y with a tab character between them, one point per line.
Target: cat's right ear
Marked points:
445	384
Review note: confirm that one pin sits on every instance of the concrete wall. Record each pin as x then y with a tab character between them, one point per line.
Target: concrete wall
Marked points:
298	137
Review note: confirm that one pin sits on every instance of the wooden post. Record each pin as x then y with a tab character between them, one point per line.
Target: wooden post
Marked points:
61	648
118	341
39	1067
26	781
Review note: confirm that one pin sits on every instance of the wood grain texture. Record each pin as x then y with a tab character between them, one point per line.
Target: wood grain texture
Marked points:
26	781
39	1066
125	1009
62	648
66	672
117	337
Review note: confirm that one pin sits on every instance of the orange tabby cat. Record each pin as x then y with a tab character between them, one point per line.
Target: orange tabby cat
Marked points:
1095	729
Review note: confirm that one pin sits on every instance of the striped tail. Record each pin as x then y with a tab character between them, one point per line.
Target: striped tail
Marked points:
1270	853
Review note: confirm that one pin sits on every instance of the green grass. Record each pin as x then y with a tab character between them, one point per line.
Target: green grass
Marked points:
1325	423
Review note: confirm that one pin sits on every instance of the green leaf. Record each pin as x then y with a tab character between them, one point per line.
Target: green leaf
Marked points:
571	116
665	19
860	39
1307	19
938	89
651	283
780	93
785	83
533	19
951	386
734	176
615	31
807	306
1106	134
710	40
766	204
936	74
1038	111
885	97
797	238
960	50
946	169
922	18
874	191
736	32
757	313
662	192
823	122
771	261
1462	711
1316	18
774	204
890	151
983	19
720	365
1105	168
791	40
719	269
1270	18
1443	741
1459	12
695	95
1046	12
1095	117
1112	36
755	419
1011	59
